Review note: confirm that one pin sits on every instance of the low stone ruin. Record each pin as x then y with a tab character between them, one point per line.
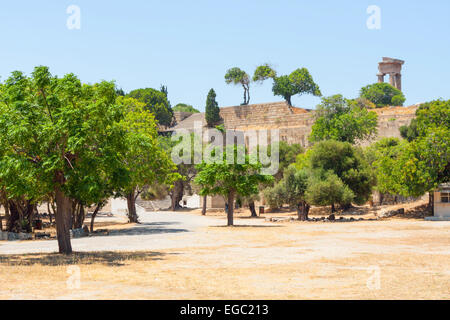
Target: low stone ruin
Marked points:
12	236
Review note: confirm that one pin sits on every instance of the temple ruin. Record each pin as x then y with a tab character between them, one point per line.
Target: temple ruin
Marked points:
393	68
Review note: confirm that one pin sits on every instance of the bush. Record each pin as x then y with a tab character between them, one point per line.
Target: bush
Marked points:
382	95
329	191
275	196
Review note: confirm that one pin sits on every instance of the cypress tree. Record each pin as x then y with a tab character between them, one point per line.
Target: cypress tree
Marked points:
212	111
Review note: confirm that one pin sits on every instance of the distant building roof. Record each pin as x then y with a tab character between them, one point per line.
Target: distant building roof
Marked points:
444	186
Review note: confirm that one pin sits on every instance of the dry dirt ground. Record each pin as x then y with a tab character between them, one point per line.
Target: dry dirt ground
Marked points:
397	258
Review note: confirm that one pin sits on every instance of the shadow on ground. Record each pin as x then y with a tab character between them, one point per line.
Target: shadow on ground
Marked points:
247	226
147	228
109	258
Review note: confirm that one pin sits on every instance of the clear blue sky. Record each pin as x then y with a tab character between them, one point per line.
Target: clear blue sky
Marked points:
188	45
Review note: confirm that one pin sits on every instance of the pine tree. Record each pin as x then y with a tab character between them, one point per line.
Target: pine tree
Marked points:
212	111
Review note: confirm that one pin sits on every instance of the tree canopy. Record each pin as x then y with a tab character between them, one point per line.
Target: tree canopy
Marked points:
328	190
183	107
343	120
59	132
156	102
343	160
237	76
212	110
145	159
297	83
231	179
73	140
382	95
417	167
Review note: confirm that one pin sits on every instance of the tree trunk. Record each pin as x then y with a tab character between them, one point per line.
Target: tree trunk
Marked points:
288	100
381	198
53	206
132	214
251	205
204	206
4	201
177	195
79	215
333	208
303	211
248	94
63	222
431	202
14	217
21	211
7	214
49	212
94	214
230	208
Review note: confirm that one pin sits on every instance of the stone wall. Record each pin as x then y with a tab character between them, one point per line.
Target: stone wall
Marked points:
295	124
180	116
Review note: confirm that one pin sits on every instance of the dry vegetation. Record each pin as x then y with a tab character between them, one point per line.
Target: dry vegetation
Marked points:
258	261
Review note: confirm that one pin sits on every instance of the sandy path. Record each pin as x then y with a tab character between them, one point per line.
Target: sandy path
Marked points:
158	230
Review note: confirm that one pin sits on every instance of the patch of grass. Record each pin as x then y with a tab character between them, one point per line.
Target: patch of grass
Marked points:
109	258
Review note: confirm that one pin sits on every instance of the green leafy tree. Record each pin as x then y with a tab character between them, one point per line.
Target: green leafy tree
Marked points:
343	120
156	102
263	73
275	196
287	155
237	76
295	185
212	110
429	115
382	95
328	190
425	162
409	132
419	165
382	156
231	179
346	162
182	107
57	133
144	158
299	82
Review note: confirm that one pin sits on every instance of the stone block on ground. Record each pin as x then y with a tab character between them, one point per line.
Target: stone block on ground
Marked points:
78	233
390	213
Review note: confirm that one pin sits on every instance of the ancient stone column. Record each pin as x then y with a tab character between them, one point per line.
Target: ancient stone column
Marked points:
398	81
392	79
380	78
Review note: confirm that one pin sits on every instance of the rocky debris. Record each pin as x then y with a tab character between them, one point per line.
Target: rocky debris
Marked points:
42	235
12	236
330	219
48	225
101	232
390	213
280	219
78	233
